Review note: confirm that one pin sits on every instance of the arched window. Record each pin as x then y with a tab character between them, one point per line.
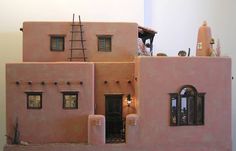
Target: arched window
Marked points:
187	107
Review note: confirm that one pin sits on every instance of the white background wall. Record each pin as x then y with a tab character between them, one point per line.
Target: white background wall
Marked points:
176	21
14	12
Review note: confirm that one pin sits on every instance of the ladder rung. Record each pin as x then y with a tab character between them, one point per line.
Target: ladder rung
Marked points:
77	31
76	25
77	40
78	49
77	57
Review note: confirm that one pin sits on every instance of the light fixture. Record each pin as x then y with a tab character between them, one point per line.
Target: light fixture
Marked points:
129	100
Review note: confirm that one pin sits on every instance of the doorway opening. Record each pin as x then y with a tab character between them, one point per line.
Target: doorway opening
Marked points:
115	128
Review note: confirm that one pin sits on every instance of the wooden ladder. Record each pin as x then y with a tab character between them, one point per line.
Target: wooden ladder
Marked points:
77	48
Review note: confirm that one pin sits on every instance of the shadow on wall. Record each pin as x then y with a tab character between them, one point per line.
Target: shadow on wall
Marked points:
10	51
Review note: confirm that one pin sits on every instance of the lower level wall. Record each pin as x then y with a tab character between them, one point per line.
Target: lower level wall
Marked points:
116	147
52	123
160	76
120	80
156	77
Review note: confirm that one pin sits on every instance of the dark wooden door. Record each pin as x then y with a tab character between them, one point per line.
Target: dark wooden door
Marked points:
114	123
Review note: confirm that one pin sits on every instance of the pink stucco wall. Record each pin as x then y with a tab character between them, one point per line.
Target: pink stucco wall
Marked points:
132	129
156	77
36	41
52	123
96	130
112	72
159	76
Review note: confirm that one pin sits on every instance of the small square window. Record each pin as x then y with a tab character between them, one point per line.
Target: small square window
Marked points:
70	100
34	100
104	43
57	43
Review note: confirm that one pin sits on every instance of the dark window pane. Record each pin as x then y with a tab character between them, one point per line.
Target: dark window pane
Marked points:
57	43
187	91
108	44
70	100
34	100
191	110
173	117
104	43
182	92
200	109
183	111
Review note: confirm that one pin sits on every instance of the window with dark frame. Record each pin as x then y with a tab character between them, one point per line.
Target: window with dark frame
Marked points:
187	107
57	43
34	100
104	43
70	100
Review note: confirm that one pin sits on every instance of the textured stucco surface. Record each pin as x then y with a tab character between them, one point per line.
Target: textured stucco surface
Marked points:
168	75
52	123
152	130
113	72
124	41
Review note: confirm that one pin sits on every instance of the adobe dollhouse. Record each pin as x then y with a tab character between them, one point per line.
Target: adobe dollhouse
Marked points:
85	86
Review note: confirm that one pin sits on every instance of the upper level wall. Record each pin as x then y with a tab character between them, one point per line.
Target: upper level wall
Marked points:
36	41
